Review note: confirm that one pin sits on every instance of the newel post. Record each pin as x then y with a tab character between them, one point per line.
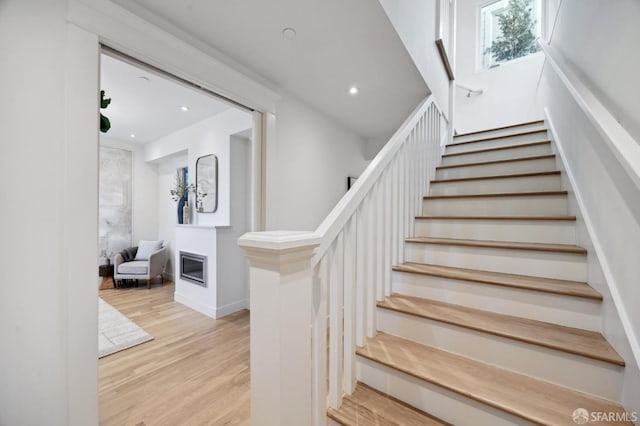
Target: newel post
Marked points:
280	278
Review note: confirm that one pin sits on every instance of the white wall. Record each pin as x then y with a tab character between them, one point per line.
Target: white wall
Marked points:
600	39
605	199
144	194
415	23
233	278
210	136
307	166
610	206
227	278
509	90
48	323
166	208
48	170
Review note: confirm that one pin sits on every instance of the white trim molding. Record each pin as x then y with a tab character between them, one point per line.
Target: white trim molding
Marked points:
133	36
624	147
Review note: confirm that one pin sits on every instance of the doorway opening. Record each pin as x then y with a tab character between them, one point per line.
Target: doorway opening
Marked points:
178	173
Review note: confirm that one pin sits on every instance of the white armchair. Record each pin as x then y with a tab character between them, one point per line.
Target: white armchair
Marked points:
140	269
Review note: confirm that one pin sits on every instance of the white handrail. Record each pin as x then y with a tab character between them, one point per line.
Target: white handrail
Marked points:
360	240
469	90
336	220
621	143
303	284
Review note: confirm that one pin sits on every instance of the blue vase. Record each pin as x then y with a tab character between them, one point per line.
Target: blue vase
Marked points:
180	210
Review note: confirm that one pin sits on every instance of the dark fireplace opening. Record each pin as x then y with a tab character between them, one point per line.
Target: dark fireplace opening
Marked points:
193	268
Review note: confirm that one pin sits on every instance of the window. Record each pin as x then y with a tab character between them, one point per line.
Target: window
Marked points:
508	30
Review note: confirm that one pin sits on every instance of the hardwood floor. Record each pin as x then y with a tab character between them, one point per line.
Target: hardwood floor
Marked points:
195	371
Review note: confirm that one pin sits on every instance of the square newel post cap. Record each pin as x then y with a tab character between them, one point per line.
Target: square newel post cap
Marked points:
279	247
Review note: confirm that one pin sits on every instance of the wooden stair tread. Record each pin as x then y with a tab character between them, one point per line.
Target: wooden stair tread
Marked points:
499	148
508	160
566	339
512	245
524	132
534	400
512	175
367	406
547	285
498	128
499	194
541	218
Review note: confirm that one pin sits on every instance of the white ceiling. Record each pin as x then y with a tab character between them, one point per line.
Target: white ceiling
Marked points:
339	43
150	109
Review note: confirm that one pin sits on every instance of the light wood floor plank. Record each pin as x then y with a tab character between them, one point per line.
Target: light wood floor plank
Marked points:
194	372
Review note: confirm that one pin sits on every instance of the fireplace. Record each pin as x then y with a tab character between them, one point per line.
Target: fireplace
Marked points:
193	268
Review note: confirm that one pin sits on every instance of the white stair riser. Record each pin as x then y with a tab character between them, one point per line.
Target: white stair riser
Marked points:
492	186
497	169
533	231
500	132
559	309
495	143
546	205
437	401
563	266
501	154
574	371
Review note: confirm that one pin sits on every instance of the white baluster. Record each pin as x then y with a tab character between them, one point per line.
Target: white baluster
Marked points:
370	291
336	275
380	202
407	184
350	255
401	197
412	180
361	270
319	343
425	157
395	190
387	232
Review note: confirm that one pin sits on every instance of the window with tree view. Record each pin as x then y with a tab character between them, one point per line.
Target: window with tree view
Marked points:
508	30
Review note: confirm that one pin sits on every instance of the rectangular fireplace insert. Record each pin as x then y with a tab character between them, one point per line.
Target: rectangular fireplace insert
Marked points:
193	268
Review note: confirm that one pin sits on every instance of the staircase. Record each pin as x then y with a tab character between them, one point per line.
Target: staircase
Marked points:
490	320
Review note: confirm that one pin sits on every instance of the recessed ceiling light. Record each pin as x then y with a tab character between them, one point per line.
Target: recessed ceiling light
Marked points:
145	78
132	135
184	108
289	33
353	90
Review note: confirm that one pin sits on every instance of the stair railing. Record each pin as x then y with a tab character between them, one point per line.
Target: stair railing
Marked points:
304	284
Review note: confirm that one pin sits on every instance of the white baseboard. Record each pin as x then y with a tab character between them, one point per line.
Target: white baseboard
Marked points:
208	310
231	308
196	305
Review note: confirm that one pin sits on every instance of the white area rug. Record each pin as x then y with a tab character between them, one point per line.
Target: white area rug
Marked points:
117	332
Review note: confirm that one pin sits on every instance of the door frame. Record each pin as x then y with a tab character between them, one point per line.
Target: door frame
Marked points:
92	24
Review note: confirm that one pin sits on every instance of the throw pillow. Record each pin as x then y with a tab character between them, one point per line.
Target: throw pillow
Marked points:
146	248
129	254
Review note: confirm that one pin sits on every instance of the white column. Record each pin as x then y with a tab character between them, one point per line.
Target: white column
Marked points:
280	277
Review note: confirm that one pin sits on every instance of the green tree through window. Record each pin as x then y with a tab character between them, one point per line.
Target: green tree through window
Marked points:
517	36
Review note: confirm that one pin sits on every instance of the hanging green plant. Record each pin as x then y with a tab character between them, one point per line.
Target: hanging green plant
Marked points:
105	124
